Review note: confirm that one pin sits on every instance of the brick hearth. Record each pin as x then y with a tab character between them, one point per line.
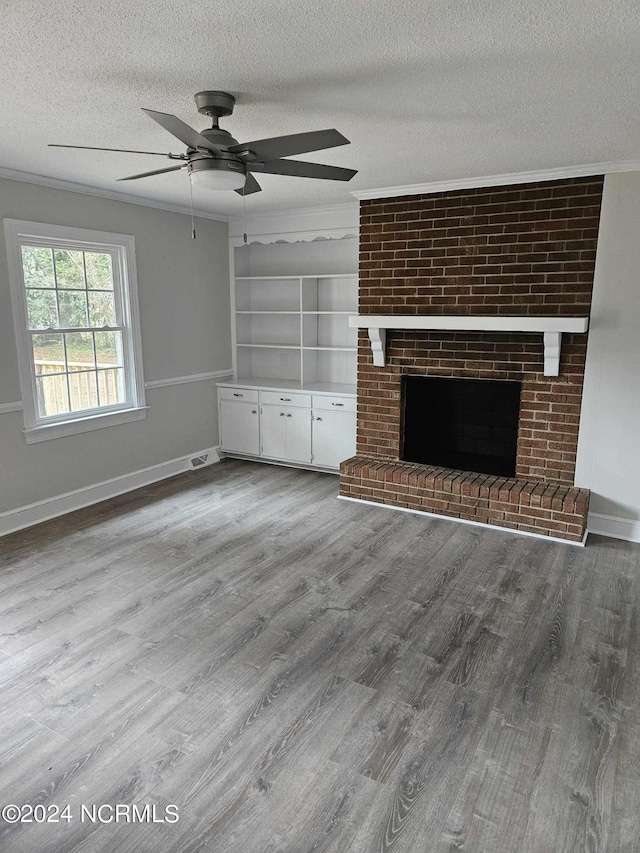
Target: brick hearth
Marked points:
519	250
523	505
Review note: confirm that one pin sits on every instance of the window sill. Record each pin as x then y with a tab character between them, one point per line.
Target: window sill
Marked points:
78	425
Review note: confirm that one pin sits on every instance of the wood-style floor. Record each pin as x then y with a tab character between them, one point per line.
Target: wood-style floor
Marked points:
298	673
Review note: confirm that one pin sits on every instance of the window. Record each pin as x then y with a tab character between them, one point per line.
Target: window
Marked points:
77	329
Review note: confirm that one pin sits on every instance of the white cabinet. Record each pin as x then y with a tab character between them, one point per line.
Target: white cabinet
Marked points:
298	423
287	426
333	437
240	427
274	432
286	433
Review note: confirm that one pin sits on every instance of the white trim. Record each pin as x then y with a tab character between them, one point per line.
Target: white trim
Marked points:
184	380
378	341
35	513
295	237
467	521
551	328
11	407
298	225
45	432
123	252
615	526
555	174
232	304
154	383
85	189
470	323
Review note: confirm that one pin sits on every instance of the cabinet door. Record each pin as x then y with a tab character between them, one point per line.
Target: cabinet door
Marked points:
274	431
239	427
298	423
334	437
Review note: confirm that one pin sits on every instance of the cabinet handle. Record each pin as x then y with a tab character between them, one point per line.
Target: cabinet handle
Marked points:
318	419
289	414
285	399
237	395
281	414
337	404
254	411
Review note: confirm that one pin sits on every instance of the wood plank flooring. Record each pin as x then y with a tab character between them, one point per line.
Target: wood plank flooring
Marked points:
298	673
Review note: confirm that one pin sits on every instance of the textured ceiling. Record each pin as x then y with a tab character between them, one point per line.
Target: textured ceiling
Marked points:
424	90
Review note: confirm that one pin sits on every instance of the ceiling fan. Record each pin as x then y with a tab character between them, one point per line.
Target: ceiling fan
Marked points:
215	160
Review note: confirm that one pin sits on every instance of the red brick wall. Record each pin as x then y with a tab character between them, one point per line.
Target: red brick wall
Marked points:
527	249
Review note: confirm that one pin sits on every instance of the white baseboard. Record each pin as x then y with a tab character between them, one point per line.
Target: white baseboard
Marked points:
35	513
614	526
226	454
468	521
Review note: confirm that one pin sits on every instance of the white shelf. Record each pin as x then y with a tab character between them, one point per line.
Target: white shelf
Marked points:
294	328
271	346
552	329
266	384
333	349
331	388
295	277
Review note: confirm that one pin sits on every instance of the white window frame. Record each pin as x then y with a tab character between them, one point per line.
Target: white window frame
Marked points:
122	249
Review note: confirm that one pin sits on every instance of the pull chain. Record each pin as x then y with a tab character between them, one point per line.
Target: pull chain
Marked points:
244	212
193	228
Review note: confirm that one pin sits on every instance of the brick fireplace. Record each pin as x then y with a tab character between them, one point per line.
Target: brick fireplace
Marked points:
526	250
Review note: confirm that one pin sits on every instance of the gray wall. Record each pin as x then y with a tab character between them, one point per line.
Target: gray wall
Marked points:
609	445
185	317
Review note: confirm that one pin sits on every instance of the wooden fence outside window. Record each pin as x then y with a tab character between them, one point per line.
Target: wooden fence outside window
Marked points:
87	389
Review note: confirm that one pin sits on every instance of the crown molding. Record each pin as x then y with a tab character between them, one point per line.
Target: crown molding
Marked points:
98	192
554	174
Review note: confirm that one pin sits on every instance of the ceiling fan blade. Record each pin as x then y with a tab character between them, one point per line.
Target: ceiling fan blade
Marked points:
182	131
121	150
251	186
296	143
300	169
149	174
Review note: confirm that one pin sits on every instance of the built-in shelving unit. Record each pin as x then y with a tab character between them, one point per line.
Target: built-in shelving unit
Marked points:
292	399
295	329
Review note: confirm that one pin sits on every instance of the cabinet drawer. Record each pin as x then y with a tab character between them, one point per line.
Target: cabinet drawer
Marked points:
285	398
241	395
336	404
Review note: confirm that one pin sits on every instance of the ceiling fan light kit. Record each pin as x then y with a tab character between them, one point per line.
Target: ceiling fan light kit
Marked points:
215	160
217	174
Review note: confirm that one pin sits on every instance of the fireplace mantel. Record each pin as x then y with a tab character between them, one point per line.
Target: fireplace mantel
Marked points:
550	327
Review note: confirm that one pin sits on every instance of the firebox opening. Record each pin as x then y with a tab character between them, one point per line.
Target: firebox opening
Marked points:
467	424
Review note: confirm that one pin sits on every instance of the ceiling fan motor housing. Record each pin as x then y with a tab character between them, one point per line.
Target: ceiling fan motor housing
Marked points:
218	164
218	137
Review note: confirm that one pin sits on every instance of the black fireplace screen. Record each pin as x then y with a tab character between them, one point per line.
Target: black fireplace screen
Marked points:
468	424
